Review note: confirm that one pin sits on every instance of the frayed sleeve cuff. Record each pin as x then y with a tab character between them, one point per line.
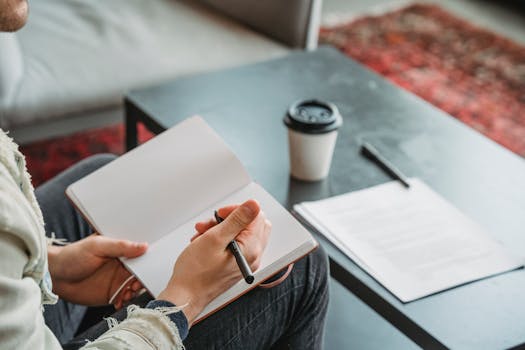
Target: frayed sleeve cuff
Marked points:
177	317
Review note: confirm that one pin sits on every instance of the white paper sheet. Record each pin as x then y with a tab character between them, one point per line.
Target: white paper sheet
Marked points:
411	240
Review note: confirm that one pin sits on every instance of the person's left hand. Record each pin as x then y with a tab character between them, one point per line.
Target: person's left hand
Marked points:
87	272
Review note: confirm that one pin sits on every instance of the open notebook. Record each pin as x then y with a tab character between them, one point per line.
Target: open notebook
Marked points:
158	191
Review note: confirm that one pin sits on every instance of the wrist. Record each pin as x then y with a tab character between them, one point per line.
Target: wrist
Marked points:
53	265
55	268
178	318
189	304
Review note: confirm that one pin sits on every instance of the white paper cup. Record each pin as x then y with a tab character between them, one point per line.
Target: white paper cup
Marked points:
312	133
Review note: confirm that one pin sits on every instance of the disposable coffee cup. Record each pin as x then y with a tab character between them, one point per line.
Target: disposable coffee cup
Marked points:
312	132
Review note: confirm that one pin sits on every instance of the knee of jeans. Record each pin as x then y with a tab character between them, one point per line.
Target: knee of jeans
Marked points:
98	160
319	269
320	261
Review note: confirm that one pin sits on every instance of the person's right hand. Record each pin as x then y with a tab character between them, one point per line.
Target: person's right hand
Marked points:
206	268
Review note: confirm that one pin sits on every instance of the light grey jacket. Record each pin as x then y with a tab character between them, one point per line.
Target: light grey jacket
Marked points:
25	284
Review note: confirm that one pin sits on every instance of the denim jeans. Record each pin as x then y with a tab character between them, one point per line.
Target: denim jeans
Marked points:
290	315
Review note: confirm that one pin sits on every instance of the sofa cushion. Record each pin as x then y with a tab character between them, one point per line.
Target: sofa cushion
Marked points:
287	21
11	69
83	55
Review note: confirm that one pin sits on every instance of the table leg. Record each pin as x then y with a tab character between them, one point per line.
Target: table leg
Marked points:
131	129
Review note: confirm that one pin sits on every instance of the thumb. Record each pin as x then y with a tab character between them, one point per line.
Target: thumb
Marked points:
238	220
106	247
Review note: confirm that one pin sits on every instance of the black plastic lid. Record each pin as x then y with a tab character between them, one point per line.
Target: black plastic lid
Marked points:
313	117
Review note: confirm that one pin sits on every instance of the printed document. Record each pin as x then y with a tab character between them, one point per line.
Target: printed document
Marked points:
412	240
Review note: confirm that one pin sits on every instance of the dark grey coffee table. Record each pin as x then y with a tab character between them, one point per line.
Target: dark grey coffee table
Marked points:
245	106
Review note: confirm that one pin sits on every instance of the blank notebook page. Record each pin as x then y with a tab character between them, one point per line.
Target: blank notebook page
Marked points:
288	241
160	185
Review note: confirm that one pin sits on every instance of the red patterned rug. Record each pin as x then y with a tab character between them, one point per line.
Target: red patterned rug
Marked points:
470	73
47	158
473	74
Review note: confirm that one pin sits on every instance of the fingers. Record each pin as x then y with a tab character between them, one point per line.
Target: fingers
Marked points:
225	211
238	220
262	239
106	247
136	286
254	244
127	293
197	234
204	226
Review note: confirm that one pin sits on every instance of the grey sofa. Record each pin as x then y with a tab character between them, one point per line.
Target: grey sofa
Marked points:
69	67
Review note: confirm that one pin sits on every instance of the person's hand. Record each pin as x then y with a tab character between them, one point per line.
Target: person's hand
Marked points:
206	268
87	272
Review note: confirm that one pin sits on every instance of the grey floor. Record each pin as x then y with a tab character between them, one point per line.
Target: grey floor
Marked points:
351	324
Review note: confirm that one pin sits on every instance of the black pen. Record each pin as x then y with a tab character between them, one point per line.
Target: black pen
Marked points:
237	253
373	154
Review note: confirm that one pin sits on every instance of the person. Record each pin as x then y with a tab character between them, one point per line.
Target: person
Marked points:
47	286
